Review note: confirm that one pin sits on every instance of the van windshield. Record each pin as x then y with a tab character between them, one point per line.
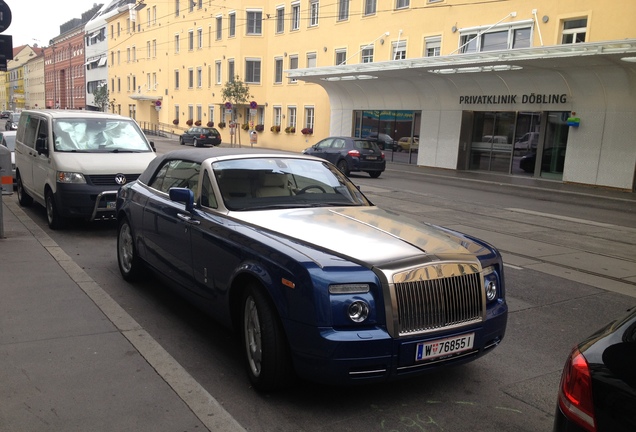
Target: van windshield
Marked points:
98	135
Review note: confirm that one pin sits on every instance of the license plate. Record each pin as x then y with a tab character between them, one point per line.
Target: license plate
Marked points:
372	158
111	204
444	347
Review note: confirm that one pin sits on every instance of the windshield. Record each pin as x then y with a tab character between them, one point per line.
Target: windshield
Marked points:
98	135
274	183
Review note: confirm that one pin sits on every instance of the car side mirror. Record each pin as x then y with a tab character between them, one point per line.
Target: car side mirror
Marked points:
152	145
183	195
40	146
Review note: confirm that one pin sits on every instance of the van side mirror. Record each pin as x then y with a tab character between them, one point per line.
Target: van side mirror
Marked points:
152	145
40	146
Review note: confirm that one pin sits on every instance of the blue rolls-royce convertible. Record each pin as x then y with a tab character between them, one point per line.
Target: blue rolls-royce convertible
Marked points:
317	281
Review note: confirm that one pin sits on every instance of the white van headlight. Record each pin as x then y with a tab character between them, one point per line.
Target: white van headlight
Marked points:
70	177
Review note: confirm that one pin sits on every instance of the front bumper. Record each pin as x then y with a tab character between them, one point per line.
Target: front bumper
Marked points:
86	201
372	355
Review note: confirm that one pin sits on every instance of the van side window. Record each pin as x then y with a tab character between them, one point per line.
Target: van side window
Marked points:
30	131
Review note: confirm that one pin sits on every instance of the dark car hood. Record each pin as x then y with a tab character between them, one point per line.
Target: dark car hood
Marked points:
365	234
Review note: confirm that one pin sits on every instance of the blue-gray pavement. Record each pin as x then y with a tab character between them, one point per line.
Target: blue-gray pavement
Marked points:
71	359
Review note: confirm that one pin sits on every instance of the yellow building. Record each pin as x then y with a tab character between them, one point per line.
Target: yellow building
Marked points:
481	84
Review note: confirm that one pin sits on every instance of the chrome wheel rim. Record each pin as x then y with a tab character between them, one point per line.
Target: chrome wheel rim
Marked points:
253	341
49	207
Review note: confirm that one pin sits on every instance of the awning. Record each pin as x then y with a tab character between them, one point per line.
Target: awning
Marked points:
145	97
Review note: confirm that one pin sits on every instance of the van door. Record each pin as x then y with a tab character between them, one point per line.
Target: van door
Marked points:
25	153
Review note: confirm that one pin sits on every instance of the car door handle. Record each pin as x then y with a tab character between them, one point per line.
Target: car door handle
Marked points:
188	219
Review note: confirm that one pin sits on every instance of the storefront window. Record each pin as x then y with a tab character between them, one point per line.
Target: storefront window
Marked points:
387	127
491	148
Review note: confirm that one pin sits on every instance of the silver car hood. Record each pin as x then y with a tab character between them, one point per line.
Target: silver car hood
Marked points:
365	234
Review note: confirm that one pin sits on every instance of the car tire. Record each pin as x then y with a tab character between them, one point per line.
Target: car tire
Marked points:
268	360
24	198
343	166
130	265
375	174
52	214
181	141
195	143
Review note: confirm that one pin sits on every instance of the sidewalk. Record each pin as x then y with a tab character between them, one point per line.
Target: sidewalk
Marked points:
73	360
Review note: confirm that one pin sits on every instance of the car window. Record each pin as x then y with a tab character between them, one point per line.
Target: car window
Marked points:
177	173
208	199
324	144
30	131
338	143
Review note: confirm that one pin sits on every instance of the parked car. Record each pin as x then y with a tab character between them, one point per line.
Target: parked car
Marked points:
384	141
408	144
200	136
5	114
72	162
598	385
527	141
8	140
350	154
12	121
317	281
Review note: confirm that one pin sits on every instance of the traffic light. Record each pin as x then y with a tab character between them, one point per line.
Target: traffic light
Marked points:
6	41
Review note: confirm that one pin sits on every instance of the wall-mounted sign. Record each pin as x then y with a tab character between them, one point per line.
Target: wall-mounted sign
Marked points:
532	98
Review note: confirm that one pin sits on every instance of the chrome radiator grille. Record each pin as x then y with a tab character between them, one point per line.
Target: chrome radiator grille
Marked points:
429	305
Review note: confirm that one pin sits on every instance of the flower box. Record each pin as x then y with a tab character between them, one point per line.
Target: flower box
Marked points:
189	122
307	131
175	122
259	128
290	129
210	124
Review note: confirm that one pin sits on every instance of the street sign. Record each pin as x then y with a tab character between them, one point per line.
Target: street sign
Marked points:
253	105
228	105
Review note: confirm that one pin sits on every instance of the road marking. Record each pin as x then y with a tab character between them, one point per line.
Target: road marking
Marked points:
569	219
203	405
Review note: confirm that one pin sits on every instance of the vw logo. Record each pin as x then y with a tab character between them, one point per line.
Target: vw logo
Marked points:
120	179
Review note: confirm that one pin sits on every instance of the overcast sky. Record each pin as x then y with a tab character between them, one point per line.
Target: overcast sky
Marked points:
39	21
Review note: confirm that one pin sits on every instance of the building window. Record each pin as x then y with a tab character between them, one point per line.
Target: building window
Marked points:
190	78
574	31
230	70
217	72
311	60
433	46
199	38
211	113
277	115
343	10
219	28
190	112
341	57
191	5
254	22
191	40
154	15
499	38
199	112
176	44
128	55
176	112
148	49
154	80
295	18
314	8
177	7
399	50
280	20
176	79
199	77
253	71
293	64
366	54
278	70
309	117
291	117
370	7
154	48
231	30
402	4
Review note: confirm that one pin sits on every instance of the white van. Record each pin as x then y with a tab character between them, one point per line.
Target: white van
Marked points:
74	162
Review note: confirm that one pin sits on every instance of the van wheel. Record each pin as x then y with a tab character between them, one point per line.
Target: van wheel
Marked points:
24	198
52	215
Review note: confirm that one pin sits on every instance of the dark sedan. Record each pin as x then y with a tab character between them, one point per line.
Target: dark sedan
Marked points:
201	136
350	154
598	385
318	281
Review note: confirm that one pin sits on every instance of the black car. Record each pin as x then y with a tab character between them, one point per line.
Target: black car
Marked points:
598	385
12	122
350	154
200	136
528	162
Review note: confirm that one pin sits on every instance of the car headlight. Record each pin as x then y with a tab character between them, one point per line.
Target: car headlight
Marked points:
491	283
70	177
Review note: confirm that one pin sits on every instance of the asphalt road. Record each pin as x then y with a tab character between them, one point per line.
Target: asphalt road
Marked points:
570	268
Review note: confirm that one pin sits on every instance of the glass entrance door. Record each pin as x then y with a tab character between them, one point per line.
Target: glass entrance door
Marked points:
491	146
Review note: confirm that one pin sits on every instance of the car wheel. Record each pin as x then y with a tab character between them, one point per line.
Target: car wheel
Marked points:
343	166
195	143
130	265
375	174
266	352
52	214
181	141
24	198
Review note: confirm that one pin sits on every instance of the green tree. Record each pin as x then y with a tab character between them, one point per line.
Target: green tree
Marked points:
237	93
101	97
